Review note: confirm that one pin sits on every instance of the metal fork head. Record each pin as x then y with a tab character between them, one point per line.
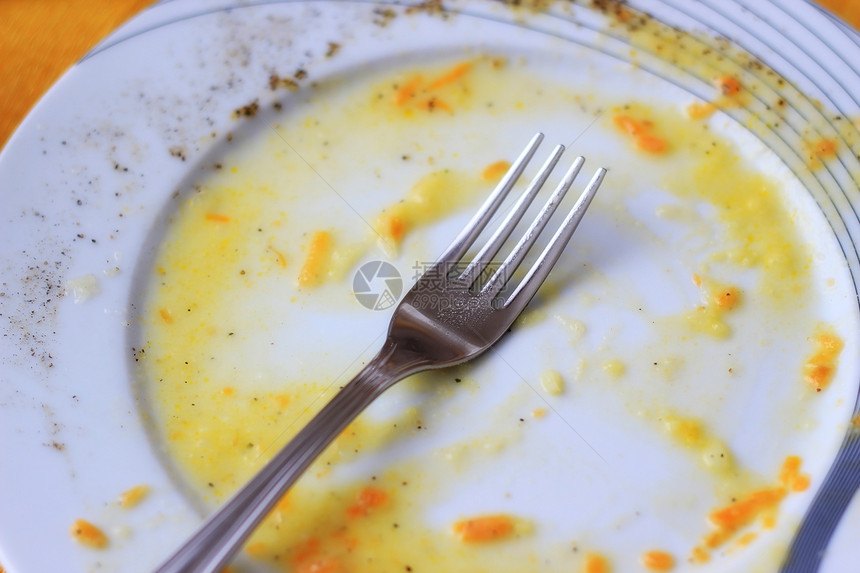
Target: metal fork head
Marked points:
450	315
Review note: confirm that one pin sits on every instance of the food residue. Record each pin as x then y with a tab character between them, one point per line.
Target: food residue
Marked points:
485	528
319	251
132	497
643	131
761	505
436	195
83	288
656	560
88	534
819	369
251	325
552	382
595	563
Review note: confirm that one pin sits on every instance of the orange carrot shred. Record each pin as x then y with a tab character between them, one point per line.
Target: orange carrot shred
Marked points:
641	131
658	561
306	550
494	171
451	76
741	513
700	555
790	476
790	469
595	563
628	124
317	253
729	85
367	499
727	298
485	528
396	228
407	91
165	315
825	147
132	497
217	218
819	370
88	534
801	483
651	143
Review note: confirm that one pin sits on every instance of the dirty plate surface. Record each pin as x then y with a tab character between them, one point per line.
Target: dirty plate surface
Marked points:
207	221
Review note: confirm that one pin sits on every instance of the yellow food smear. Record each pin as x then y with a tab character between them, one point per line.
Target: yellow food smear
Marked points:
319	251
220	433
735	74
819	369
443	92
336	531
692	434
758	233
132	497
700	110
656	560
719	299
434	197
233	453
615	368
710	320
88	534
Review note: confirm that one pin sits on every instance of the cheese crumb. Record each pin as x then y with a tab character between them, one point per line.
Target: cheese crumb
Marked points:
551	382
83	288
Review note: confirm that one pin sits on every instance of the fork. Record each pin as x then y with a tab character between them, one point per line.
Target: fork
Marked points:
449	316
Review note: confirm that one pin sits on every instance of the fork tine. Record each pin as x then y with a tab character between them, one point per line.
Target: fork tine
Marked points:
501	234
537	274
479	220
519	252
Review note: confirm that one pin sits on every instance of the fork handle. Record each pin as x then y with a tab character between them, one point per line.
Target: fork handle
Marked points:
223	534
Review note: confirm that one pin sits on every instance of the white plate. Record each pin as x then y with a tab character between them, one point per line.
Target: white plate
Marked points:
88	184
